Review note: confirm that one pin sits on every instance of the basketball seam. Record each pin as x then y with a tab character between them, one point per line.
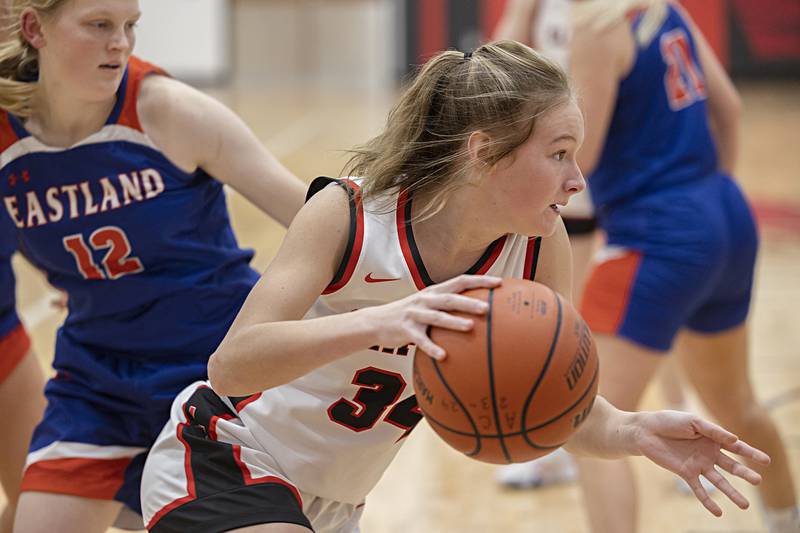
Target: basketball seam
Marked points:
521	432
476	435
535	388
490	364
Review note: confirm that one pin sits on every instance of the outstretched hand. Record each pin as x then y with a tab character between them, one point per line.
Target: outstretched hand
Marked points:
690	447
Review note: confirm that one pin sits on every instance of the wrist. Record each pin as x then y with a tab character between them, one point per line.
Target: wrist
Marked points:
633	432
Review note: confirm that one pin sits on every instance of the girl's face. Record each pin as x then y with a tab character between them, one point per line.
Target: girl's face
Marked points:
84	46
529	185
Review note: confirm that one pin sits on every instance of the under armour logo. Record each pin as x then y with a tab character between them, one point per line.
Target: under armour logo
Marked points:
12	179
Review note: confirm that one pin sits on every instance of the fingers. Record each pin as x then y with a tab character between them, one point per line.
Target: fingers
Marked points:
714	432
440	319
738	469
466	281
701	494
743	449
726	488
456	302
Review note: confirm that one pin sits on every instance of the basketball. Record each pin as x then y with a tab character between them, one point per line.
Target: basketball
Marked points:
518	384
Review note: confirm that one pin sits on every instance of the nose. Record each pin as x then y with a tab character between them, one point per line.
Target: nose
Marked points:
120	40
575	183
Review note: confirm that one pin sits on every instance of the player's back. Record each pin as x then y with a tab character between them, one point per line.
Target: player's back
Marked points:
658	136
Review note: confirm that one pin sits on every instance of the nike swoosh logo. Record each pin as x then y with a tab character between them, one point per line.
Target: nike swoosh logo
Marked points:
369	279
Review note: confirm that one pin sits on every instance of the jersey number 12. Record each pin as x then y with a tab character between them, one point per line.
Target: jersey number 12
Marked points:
117	261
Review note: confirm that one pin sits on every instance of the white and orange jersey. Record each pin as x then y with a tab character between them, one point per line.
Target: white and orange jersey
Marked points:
333	432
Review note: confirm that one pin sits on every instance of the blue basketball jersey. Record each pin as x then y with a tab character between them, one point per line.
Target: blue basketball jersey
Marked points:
144	250
658	136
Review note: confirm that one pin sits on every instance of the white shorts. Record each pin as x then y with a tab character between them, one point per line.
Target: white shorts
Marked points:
205	474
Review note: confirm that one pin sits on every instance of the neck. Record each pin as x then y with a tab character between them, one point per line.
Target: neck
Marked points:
452	240
60	119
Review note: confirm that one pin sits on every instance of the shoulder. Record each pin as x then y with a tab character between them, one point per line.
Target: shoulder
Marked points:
180	120
162	98
614	42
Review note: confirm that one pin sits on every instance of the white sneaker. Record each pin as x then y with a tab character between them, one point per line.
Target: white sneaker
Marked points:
683	486
552	469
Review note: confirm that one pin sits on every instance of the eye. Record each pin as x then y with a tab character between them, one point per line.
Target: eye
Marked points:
559	156
131	25
101	24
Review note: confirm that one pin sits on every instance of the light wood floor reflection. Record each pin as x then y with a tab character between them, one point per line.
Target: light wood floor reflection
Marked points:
431	489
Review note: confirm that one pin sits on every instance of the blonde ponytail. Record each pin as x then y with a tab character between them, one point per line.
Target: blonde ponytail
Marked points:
19	61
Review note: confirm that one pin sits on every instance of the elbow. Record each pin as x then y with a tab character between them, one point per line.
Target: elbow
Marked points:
219	376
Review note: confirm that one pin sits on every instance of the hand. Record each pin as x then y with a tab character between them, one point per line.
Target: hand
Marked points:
689	446
406	321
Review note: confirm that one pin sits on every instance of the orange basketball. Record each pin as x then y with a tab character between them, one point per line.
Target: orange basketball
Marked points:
519	384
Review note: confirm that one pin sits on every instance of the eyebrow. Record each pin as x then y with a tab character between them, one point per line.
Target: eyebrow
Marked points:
565	137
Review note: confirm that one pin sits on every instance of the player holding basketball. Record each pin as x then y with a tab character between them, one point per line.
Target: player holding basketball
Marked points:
661	141
475	159
108	175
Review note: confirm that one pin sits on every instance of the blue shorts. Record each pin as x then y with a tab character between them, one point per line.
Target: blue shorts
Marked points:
680	258
103	414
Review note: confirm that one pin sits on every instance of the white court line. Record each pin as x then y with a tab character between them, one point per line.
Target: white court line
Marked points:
288	140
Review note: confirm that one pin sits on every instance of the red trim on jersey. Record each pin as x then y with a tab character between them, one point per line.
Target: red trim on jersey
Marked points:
607	293
357	240
531	258
250	480
13	348
402	228
7	134
495	253
190	486
138	70
212	425
90	478
250	399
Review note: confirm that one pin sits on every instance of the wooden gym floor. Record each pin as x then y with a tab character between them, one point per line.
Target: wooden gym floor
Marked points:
430	488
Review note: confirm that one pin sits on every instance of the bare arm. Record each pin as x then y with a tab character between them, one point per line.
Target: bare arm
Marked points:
555	262
516	22
724	103
269	344
598	60
194	130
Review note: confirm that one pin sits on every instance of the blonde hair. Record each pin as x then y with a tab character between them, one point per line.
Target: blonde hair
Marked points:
500	89
19	61
599	14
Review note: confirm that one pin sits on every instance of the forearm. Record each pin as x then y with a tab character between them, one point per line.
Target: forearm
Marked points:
607	433
262	356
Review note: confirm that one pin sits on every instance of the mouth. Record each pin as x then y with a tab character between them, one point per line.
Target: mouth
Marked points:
556	207
111	66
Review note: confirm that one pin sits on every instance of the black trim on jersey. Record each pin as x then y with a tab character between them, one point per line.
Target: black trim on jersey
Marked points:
317	185
203	405
412	244
579	226
265	503
537	244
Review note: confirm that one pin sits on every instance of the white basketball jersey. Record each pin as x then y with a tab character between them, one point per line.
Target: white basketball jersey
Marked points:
334	431
552	30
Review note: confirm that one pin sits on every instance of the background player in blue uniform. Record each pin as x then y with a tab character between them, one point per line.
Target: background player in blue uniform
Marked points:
20	373
108	176
661	141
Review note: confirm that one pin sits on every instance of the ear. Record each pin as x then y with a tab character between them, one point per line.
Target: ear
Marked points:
31	28
478	147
